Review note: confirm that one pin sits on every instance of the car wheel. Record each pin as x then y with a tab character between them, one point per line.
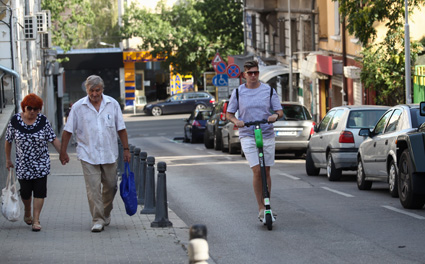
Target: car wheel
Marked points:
408	199
200	107
310	169
156	111
333	173
217	140
362	184
393	179
209	143
224	149
186	139
232	148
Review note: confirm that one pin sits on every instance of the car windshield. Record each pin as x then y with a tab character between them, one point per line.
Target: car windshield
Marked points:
417	119
295	112
364	118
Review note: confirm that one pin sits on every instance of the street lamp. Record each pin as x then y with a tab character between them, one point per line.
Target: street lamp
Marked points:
107	44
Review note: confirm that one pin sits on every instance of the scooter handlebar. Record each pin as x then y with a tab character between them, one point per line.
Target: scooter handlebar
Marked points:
253	123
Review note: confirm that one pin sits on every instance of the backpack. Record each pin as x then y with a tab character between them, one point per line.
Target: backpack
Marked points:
271	94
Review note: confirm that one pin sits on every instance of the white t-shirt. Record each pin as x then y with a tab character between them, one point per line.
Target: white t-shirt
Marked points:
96	132
254	105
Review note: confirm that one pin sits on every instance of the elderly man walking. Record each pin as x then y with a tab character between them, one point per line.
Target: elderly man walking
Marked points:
95	120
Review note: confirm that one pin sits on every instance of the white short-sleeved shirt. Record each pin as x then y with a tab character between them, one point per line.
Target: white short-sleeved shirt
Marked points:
96	132
254	105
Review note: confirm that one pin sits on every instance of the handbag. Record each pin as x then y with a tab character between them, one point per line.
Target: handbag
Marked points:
128	190
10	199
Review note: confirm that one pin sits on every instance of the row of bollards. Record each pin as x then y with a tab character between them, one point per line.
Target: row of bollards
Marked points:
143	167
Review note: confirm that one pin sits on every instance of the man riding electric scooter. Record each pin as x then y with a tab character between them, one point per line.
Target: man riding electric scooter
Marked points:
256	101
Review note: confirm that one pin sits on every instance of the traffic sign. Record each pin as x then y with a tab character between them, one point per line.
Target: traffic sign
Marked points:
233	71
220	68
221	80
217	59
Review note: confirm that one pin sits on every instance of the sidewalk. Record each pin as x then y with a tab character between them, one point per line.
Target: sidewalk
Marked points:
66	223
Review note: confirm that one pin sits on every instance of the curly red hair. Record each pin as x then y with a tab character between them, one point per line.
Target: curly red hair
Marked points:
32	100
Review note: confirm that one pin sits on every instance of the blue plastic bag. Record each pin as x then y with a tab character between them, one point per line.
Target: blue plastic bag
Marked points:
128	190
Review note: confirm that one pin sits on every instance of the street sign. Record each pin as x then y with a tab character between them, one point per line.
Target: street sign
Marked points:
220	67
217	59
234	82
221	80
178	82
233	71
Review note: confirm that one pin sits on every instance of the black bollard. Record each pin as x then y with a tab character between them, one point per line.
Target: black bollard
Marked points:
198	231
120	165
161	214
136	164
149	207
131	147
142	182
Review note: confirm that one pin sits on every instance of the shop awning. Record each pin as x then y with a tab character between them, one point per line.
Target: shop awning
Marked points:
270	71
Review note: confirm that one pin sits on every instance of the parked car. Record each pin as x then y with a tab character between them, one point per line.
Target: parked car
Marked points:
195	125
411	168
377	157
230	138
212	136
336	140
180	103
294	129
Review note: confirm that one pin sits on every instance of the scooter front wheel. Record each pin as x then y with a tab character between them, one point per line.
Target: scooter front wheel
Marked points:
269	221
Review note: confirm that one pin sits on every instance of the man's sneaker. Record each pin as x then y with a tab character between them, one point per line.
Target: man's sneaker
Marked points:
97	228
261	215
107	220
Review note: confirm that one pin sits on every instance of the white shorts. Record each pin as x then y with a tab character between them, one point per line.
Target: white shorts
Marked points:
251	152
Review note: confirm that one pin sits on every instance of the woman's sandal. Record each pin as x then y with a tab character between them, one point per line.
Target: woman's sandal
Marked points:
28	220
36	226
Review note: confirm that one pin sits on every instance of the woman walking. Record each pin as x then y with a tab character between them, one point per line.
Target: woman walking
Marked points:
31	132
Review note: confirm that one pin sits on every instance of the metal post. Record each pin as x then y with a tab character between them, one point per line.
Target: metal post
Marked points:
198	245
142	182
407	54
290	52
161	213
149	207
131	147
120	158
136	165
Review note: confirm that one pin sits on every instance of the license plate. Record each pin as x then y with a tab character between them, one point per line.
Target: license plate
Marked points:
286	133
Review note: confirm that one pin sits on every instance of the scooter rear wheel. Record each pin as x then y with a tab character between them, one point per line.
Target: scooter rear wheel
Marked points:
269	221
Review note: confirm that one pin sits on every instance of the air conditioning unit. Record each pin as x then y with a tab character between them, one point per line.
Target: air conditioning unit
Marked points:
48	18
30	27
45	40
41	22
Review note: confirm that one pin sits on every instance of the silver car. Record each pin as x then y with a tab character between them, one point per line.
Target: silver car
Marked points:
377	155
230	138
294	129
336	140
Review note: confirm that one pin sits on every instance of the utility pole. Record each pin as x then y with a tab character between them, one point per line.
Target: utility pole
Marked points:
290	52
407	54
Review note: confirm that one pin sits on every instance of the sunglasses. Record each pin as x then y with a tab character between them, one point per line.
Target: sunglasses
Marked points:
255	73
30	108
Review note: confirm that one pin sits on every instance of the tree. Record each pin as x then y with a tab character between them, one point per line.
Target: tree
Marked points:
189	33
66	16
383	63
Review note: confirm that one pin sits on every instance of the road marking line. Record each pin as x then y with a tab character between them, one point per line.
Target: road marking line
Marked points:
289	176
404	212
338	192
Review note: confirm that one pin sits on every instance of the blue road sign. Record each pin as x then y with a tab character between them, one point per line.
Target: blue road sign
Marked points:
220	80
220	67
233	71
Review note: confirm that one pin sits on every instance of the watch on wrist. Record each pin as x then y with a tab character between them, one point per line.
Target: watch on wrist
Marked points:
126	149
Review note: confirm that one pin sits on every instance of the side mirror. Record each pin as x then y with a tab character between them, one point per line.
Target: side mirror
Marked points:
365	132
316	127
422	108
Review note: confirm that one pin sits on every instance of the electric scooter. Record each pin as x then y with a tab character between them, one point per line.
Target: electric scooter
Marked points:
268	218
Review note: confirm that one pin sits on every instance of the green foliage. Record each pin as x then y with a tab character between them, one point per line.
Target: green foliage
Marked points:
189	33
384	68
362	15
384	62
66	16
